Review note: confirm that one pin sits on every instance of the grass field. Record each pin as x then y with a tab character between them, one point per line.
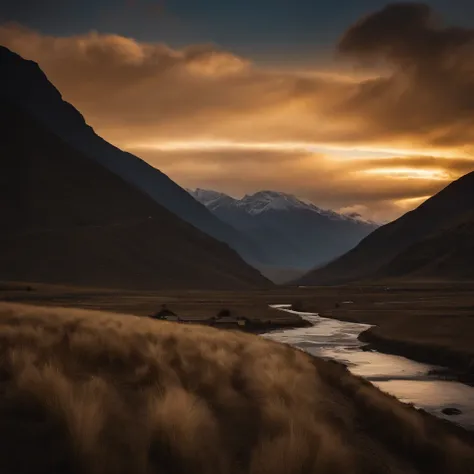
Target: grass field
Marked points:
191	306
432	322
98	392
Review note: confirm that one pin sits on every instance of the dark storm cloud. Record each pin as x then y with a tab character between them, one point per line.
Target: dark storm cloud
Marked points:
430	91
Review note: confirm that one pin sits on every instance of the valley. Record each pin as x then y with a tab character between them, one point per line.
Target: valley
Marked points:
431	322
150	327
294	235
430	326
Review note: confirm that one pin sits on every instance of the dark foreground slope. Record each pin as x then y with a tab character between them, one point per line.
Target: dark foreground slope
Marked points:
87	392
25	84
442	213
67	219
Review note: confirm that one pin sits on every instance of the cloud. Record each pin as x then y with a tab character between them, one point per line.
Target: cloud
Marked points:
339	185
416	100
138	90
429	94
132	90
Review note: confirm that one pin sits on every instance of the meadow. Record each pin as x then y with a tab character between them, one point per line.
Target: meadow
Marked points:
99	392
431	322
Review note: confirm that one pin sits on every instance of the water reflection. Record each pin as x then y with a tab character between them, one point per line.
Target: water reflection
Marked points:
408	380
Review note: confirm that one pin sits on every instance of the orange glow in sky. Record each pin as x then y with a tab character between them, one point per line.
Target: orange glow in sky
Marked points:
372	141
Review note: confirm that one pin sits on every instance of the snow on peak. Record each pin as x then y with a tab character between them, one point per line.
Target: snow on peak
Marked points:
205	195
263	201
358	217
211	199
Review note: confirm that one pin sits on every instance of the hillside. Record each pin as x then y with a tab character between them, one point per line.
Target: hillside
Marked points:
445	255
25	84
67	219
95	392
435	219
296	235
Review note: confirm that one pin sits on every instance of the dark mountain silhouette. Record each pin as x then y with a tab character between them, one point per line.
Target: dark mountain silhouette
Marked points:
445	255
408	245
67	219
24	83
296	235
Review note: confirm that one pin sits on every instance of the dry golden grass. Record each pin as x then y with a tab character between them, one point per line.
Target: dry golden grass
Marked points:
95	392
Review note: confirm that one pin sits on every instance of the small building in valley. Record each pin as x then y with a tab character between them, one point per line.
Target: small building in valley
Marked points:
165	314
226	319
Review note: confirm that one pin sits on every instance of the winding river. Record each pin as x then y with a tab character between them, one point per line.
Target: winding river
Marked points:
406	379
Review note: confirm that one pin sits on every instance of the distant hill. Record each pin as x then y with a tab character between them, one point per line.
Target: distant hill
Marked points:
295	235
25	84
67	219
430	241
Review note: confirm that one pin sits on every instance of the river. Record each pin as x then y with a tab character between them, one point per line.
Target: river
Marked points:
406	379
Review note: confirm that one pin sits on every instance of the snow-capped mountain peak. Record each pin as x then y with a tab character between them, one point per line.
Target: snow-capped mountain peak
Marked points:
211	199
206	195
293	232
263	201
266	201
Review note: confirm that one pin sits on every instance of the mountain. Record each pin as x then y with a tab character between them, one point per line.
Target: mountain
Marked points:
67	219
428	241
295	234
444	255
25	84
210	198
264	201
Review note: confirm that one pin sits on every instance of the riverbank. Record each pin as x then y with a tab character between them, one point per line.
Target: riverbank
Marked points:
136	395
458	363
434	389
427	323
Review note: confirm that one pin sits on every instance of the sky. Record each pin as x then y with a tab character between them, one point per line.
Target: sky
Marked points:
359	106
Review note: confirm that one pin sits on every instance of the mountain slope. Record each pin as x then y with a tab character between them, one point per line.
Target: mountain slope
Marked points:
445	255
450	207
67	219
295	234
24	83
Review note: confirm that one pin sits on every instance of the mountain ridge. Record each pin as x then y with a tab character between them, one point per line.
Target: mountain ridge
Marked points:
296	234
69	219
255	203
23	82
443	212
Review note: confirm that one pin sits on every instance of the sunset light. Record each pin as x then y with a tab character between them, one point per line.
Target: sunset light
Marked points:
409	173
337	151
237	237
211	117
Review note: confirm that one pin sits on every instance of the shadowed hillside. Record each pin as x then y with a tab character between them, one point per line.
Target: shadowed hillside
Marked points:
92	392
23	83
447	254
434	218
66	219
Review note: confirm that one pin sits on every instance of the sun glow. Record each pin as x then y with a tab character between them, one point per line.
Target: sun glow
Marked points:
335	151
409	173
410	203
